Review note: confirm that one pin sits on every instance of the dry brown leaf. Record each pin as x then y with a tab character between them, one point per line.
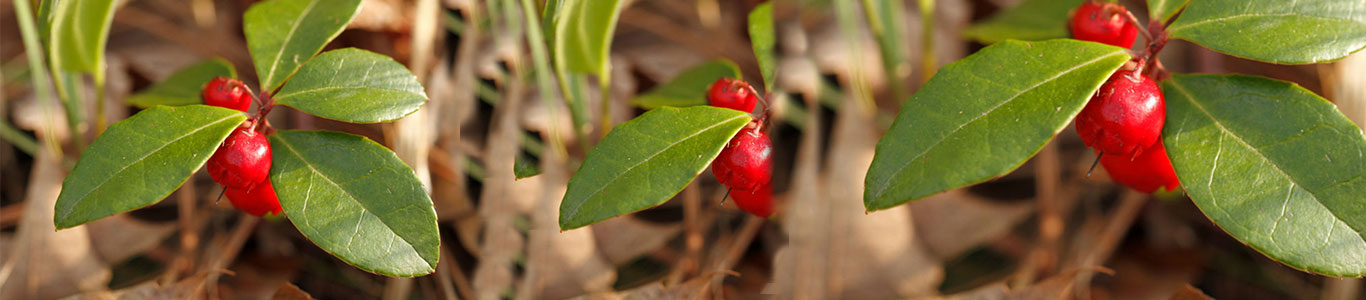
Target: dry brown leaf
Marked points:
561	264
118	237
46	263
289	291
501	200
624	239
953	222
188	288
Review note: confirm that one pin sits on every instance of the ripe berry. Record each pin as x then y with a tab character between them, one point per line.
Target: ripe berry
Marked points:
257	200
1144	173
1103	22
758	202
733	94
745	163
227	92
1124	117
242	160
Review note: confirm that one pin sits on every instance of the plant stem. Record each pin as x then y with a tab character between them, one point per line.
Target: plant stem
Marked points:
38	70
541	61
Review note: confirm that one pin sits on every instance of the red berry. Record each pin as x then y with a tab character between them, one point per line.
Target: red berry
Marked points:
1144	173
758	202
745	163
1103	22
242	160
1124	117
733	94
257	200
227	92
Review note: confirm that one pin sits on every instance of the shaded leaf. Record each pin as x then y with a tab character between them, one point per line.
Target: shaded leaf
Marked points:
353	85
356	200
283	34
645	161
141	160
581	34
1030	20
1286	32
983	116
1164	9
761	38
690	87
185	86
79	31
1274	165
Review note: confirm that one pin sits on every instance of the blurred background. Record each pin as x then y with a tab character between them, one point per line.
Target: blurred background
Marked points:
1045	231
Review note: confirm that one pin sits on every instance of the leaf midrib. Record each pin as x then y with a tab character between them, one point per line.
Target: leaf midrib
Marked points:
365	209
68	210
882	188
279	55
1190	98
574	211
1175	29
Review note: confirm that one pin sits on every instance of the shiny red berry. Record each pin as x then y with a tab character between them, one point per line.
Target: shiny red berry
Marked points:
1144	173
1124	117
227	92
745	163
259	199
1103	22
758	202
733	94
242	160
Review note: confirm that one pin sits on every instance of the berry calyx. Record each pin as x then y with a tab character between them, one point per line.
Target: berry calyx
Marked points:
733	94
258	200
758	202
1124	117
1145	173
242	160
1103	22
227	92
745	163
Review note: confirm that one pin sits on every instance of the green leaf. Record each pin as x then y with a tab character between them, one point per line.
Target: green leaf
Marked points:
582	34
185	86
282	34
1164	9
1274	165
983	116
688	88
141	160
886	22
354	85
1285	32
356	200
646	161
79	31
1030	20
761	38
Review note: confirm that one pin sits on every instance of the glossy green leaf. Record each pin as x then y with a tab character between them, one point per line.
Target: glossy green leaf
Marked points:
356	200
1286	32
78	33
1274	165
1164	9
761	38
646	161
983	116
283	34
688	88
354	85
141	160
582	33
185	86
1030	20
